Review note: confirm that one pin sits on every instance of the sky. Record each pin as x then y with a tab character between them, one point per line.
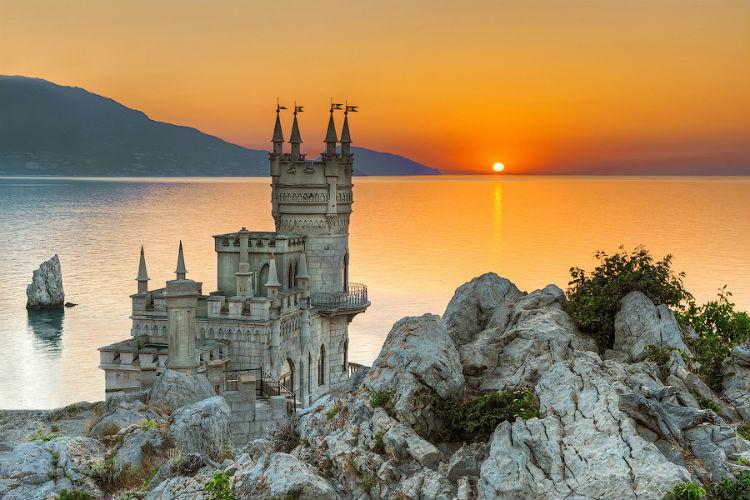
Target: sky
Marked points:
544	86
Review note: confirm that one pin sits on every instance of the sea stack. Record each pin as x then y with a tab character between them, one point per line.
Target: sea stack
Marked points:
46	289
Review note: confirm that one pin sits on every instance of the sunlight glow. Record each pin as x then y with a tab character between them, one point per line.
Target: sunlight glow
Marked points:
498	167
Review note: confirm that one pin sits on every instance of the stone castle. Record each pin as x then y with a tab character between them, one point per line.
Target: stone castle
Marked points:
274	336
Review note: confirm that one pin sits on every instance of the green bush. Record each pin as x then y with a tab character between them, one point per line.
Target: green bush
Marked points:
41	435
594	299
706	404
475	419
334	410
379	447
379	398
726	489
743	430
686	491
719	328
107	474
74	495
147	424
218	487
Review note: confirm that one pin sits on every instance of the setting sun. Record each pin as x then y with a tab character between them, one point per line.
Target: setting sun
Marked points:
498	167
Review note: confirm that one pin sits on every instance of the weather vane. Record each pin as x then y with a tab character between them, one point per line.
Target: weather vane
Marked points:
350	108
279	107
335	106
298	109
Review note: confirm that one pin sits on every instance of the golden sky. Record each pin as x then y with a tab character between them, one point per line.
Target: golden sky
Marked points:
541	85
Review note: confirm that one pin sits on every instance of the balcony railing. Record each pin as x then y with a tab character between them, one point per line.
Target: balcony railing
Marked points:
355	297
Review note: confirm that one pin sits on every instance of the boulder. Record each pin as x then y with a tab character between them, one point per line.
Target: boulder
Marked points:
418	363
116	420
177	488
484	302
173	389
202	427
640	323
466	461
282	476
46	288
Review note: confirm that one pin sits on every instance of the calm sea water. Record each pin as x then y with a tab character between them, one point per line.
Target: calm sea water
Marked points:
413	241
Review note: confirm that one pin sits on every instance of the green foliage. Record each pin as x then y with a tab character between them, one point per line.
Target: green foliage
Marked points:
41	435
474	420
74	495
686	491
379	398
147	424
379	447
594	299
726	489
743	430
334	410
706	404
743	461
218	487
719	328
367	483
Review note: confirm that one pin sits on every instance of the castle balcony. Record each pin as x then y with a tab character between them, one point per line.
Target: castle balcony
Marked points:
353	300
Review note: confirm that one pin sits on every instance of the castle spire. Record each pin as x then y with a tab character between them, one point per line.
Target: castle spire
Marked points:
331	138
302	268
180	272
278	135
142	274
296	138
273	275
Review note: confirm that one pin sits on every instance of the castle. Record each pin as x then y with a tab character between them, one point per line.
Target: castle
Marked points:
274	336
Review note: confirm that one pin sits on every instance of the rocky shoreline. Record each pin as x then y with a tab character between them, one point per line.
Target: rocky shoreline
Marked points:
580	425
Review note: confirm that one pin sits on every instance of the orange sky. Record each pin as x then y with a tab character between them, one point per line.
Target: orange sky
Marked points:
541	85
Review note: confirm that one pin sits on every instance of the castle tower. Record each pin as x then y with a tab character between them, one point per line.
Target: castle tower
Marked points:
182	300
316	202
278	135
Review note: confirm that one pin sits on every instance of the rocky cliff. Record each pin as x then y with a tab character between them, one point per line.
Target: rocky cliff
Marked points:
501	397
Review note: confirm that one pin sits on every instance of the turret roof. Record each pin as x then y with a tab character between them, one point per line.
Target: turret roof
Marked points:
142	274
296	138
180	261
345	137
278	136
273	276
331	133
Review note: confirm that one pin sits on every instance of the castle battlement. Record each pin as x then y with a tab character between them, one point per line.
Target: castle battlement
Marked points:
280	314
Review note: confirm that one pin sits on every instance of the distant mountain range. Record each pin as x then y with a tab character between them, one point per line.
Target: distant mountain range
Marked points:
49	129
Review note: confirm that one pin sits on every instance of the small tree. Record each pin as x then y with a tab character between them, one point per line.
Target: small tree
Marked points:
594	299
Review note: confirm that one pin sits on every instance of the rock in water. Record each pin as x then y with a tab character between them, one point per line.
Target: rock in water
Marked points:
46	288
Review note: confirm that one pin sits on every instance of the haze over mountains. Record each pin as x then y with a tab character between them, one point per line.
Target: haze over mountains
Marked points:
49	129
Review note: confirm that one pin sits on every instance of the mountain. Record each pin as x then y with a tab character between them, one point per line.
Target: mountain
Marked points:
49	129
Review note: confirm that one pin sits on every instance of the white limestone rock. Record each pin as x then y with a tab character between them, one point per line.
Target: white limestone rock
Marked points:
736	382
177	488
202	427
640	323
46	288
417	363
483	302
116	420
282	476
174	389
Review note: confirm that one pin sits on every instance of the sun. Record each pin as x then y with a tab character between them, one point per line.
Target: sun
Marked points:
498	167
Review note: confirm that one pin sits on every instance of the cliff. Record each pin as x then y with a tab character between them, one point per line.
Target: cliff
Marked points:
49	129
501	397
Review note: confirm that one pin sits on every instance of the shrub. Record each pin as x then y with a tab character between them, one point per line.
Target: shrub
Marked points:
727	489
74	495
706	404
107	474
475	419
41	435
379	447
686	491
334	410
719	328
594	299
368	481
743	461
147	424
379	398
218	487
285	437
743	430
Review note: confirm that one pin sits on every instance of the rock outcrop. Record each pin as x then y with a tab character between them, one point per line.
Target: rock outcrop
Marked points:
46	287
639	323
601	428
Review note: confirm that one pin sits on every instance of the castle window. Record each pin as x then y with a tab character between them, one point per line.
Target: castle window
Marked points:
291	281
322	366
346	356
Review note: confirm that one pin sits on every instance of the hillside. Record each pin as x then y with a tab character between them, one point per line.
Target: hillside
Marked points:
48	129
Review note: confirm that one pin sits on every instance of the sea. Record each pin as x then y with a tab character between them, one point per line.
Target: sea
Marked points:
413	241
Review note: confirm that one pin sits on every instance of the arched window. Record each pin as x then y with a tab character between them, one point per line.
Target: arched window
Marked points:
287	374
309	373
322	365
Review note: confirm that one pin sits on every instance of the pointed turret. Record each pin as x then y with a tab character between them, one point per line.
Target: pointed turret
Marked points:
180	271
142	274
331	138
296	138
272	283
302	268
278	135
346	138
